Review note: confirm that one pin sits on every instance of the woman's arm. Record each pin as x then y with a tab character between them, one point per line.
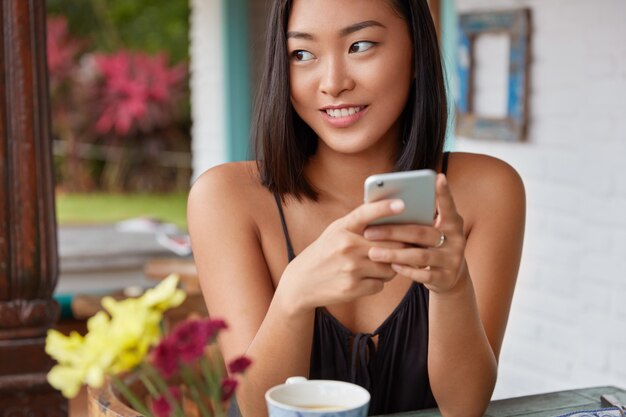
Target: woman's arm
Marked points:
274	327
471	277
467	324
237	286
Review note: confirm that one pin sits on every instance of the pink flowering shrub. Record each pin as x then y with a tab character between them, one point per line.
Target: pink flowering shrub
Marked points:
115	114
62	50
137	93
68	95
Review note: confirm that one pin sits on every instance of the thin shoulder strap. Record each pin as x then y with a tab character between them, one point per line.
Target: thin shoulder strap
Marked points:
290	254
444	163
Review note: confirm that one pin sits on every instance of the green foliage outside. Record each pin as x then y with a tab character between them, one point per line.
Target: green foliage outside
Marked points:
99	208
146	25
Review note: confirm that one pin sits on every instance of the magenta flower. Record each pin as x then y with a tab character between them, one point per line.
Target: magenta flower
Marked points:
190	340
165	357
161	407
239	365
228	388
212	327
186	345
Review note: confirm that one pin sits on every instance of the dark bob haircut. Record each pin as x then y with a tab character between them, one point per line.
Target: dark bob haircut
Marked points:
283	142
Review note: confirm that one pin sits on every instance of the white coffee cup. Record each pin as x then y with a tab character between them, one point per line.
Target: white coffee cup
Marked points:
299	397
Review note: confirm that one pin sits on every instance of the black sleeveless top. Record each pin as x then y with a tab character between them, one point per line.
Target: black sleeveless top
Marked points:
396	371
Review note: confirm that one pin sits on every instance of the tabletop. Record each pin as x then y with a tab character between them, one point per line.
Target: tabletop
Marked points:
540	405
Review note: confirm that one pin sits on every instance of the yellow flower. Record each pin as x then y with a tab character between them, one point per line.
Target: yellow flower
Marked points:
134	328
112	344
63	348
66	379
165	295
76	355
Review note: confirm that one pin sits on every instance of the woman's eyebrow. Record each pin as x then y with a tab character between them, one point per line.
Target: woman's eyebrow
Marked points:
343	32
360	26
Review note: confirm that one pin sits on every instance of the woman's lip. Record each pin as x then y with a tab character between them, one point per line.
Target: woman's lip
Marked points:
344	121
342	106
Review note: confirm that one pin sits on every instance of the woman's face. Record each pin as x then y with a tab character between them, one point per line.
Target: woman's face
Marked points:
350	71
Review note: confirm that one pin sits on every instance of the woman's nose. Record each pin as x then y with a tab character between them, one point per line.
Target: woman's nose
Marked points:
336	78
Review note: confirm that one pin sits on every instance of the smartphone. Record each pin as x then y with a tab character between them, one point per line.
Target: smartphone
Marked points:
415	188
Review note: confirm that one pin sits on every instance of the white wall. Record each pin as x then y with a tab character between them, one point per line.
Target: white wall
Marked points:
568	323
207	85
208	78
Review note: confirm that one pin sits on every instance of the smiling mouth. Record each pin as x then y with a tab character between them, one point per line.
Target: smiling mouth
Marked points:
345	112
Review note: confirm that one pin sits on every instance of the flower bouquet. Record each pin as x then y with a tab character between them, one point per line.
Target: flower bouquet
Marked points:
127	343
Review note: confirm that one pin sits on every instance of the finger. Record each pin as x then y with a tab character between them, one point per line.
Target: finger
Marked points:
445	203
421	275
413	234
366	213
411	256
389	244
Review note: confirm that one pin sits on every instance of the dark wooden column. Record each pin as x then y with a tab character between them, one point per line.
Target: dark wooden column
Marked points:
28	252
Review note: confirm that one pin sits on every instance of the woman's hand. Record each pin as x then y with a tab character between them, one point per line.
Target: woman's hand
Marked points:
336	268
433	255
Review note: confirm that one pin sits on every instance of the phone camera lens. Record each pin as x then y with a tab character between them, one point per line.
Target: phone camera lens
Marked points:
380	183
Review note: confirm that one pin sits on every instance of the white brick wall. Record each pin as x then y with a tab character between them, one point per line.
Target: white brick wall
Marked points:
568	323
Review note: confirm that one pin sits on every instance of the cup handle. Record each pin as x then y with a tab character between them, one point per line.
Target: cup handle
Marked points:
295	379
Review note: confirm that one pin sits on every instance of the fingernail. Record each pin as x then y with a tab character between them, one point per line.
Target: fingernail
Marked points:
397	206
444	179
377	254
372	234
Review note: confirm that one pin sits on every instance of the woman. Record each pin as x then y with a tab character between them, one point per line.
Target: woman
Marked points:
283	248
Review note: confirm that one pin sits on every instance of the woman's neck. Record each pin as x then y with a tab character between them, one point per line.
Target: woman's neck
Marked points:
339	177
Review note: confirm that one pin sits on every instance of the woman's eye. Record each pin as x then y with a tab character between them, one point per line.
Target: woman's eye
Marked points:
360	46
301	55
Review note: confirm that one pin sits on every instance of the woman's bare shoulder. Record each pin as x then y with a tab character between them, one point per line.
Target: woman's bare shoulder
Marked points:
231	181
483	183
478	172
228	188
229	175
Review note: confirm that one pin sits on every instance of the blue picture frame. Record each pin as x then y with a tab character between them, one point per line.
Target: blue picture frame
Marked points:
515	23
